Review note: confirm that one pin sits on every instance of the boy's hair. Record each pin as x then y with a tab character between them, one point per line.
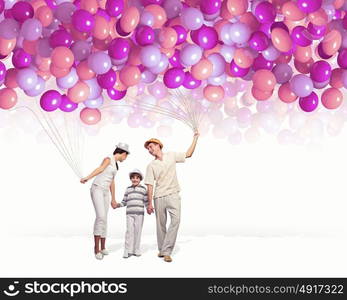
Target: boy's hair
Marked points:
119	151
135	174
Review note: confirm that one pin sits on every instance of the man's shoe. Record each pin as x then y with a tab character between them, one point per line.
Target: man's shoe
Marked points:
105	252
167	258
99	256
160	255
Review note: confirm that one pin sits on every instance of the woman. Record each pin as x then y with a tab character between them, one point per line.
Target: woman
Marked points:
100	193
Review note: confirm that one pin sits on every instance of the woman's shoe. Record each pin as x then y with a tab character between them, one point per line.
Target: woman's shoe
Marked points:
99	256
105	252
167	258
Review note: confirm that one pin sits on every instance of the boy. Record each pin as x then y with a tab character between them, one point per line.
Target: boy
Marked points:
135	199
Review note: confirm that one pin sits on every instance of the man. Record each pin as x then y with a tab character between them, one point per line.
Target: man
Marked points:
162	172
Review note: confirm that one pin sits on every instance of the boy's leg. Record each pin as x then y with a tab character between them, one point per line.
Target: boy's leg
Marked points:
174	209
129	236
138	229
160	215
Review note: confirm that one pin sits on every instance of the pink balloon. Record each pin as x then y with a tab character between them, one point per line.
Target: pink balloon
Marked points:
90	116
332	98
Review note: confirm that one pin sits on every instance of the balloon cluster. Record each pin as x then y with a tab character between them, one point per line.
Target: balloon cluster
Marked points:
97	50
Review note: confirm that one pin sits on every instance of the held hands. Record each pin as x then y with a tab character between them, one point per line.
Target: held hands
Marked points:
150	209
114	204
84	180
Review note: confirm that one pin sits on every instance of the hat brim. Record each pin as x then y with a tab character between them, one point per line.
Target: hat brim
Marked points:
154	142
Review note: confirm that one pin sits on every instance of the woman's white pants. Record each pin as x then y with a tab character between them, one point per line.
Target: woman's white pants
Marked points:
101	201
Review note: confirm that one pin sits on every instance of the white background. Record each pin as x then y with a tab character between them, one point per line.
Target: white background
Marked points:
249	210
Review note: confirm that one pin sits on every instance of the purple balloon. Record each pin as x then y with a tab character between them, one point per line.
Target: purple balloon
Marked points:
107	80
149	2
60	38
9	29
321	52
114	7
115	94
26	78
265	12
94	103
320	71
22	11
278	25
174	78
227	52
190	54
225	35
301	36
181	34
261	63
240	32
172	8
190	82
147	18
342	59
192	18
320	85
81	50
271	53
119	48
218	63
309	6
174	60
161	66
43	47
66	105
50	100
158	90
99	62
94	88
144	35
64	12
301	85
21	59
283	73
210	7
83	20
2	71
309	103
148	77
38	89
150	56
236	71
258	41
31	29
206	37
69	80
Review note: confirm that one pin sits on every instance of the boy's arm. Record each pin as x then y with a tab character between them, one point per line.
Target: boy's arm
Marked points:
124	201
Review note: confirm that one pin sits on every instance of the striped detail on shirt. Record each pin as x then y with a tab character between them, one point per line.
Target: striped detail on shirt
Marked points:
135	199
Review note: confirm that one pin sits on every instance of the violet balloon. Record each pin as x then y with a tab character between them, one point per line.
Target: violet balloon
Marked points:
320	71
190	54
38	88
162	65
192	18
94	103
218	63
150	56
50	100
309	103
240	32
26	78
301	85
69	80
64	12
31	29
66	105
172	8
94	88
283	73
99	62
174	78
81	50
9	29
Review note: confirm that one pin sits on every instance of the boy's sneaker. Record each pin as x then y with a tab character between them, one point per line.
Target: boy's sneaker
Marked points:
125	255
137	254
105	252
99	256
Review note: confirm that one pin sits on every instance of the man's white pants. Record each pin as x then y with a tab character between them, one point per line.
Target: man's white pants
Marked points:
101	201
166	238
133	234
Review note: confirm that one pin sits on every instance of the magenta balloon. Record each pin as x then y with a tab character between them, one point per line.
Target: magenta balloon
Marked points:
149	2
107	80
83	20
174	78
321	52
316	31
144	35
218	63
301	36
190	82
181	34
115	94
207	37
320	71
22	11
2	6
261	63
21	59
342	59
114	7
66	105
119	48
210	7
60	38
50	100
309	6
309	103
258	41
174	60
2	71
265	12
236	71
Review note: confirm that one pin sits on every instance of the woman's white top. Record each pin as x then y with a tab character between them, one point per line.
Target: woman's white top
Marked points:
105	178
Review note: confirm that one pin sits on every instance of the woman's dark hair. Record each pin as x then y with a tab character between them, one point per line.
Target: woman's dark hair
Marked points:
119	151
